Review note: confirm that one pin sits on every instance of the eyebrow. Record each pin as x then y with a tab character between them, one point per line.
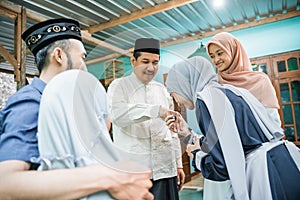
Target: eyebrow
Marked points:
148	60
216	51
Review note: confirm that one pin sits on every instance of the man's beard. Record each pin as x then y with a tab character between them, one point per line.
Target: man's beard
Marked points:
70	63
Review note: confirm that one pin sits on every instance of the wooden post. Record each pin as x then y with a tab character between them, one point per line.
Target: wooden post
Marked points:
20	48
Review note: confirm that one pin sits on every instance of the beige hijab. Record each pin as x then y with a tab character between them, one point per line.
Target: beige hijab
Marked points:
240	72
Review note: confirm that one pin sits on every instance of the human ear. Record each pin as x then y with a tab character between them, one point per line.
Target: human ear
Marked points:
132	61
57	53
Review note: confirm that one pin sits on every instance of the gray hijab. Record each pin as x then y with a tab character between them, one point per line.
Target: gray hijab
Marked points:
195	78
191	76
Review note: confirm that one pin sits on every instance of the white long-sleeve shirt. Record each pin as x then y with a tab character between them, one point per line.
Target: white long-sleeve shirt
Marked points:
137	127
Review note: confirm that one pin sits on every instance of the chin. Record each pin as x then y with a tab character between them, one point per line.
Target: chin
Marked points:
190	107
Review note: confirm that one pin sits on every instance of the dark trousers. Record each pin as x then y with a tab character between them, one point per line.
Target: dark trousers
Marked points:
165	189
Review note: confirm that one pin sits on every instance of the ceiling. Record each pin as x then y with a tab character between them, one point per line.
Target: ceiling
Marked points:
110	27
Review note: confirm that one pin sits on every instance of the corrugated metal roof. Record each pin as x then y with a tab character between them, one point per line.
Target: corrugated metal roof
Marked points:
120	22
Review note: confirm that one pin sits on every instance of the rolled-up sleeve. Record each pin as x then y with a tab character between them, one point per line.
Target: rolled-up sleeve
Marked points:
18	139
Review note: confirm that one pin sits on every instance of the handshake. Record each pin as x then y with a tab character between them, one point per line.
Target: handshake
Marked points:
177	124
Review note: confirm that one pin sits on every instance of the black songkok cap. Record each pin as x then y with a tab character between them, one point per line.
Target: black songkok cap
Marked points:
149	45
44	33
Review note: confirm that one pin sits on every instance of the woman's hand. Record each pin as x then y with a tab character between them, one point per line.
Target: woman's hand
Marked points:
192	147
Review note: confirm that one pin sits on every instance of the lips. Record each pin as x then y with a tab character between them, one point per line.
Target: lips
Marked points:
219	64
150	74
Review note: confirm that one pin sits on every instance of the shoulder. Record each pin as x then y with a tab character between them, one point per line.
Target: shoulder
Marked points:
26	97
116	84
28	92
263	77
119	81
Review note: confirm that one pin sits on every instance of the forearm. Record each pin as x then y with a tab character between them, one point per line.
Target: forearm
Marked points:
17	182
127	114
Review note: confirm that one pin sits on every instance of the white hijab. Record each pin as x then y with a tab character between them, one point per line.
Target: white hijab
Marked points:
72	128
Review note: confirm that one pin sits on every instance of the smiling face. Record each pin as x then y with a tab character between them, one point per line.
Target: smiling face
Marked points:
145	66
182	101
219	57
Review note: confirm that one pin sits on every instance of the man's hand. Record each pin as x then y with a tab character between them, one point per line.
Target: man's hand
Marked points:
132	186
180	178
177	124
164	112
123	180
131	181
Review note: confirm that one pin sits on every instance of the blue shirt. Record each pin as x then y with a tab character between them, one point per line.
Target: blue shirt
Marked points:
18	123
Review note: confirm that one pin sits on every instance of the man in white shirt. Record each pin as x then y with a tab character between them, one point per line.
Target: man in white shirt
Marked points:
138	107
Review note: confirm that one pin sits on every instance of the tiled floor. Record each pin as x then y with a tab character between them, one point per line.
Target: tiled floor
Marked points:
192	190
190	195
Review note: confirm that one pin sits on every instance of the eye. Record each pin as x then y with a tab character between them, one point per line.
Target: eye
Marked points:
155	63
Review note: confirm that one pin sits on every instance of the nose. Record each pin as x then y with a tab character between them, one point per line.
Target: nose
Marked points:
150	67
215	59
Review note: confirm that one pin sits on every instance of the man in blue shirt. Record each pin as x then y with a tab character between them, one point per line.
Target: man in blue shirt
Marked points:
57	46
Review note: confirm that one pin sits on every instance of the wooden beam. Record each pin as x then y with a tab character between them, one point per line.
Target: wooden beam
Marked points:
39	18
140	14
7	13
99	43
10	6
20	47
10	58
210	33
104	58
17	9
274	18
17	49
7	71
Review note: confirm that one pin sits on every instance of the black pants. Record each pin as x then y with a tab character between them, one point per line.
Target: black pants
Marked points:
165	189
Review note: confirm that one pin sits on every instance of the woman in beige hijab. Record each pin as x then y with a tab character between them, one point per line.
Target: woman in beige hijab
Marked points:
234	68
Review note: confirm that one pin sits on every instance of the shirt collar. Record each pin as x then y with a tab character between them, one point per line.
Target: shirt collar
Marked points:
133	75
38	84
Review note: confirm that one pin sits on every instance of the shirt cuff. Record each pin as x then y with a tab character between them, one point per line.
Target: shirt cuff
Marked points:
179	163
198	157
154	111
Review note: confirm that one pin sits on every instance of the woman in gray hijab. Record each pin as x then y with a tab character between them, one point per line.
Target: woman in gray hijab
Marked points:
240	141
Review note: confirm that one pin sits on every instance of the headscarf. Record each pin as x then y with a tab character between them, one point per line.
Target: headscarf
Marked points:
196	77
186	77
72	128
240	73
